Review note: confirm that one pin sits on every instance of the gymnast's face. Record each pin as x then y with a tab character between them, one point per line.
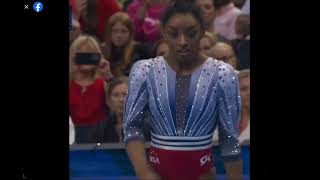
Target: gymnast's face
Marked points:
182	33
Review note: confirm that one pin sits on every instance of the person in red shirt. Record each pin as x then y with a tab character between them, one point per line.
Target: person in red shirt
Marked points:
95	14
74	8
75	30
145	16
87	90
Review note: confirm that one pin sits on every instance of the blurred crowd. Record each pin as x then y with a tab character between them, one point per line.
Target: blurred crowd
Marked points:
114	34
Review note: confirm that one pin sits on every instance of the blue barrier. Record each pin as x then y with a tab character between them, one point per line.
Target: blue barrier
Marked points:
219	177
115	164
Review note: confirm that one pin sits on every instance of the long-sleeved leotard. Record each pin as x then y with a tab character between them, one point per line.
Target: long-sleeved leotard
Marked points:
184	120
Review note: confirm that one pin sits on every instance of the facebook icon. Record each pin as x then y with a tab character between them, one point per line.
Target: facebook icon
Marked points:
37	6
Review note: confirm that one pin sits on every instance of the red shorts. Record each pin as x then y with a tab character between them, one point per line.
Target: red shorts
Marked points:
180	164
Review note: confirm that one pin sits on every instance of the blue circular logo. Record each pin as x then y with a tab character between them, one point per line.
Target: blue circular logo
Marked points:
37	6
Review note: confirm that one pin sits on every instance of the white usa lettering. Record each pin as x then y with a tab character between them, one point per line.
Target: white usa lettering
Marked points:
154	160
204	159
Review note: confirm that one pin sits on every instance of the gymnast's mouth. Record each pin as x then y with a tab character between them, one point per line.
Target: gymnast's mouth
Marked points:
183	52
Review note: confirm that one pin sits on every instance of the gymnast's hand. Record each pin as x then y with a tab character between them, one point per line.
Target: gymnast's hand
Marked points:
137	154
148	174
104	69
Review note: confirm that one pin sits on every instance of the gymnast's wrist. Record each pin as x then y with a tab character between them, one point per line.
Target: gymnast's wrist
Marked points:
143	169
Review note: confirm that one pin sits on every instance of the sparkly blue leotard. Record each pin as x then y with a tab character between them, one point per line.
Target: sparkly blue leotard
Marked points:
185	109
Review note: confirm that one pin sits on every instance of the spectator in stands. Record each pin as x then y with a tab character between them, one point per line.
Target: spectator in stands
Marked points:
94	15
223	51
243	21
243	54
119	47
75	10
145	15
208	12
75	30
87	106
121	3
75	14
242	26
206	44
117	91
239	3
226	15
241	44
244	78
161	48
125	5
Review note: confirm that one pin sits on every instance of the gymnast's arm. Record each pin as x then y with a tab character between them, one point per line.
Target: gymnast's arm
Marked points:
228	122
136	101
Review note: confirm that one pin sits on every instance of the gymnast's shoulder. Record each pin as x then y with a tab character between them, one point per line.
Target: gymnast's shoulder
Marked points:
142	67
